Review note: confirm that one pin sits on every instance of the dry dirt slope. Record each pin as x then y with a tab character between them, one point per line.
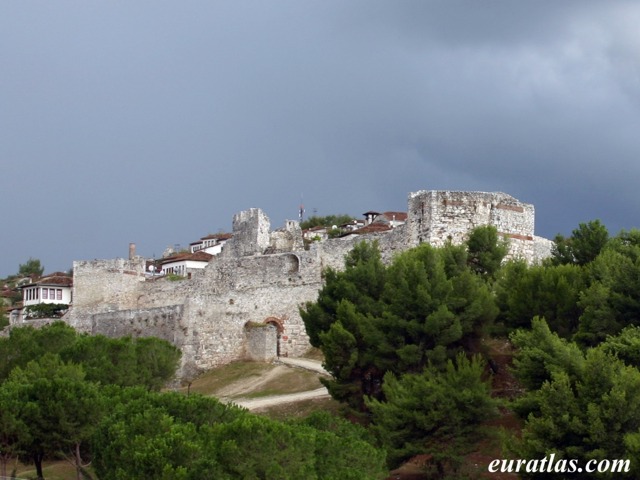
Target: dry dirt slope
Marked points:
257	386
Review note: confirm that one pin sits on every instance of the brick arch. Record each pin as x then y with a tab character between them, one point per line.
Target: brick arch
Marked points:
276	322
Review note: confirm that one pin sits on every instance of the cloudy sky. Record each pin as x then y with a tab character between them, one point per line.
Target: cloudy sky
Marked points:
155	121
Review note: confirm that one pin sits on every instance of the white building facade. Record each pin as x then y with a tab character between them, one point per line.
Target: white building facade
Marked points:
55	288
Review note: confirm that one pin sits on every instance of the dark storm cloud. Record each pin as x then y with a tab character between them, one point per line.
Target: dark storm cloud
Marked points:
154	122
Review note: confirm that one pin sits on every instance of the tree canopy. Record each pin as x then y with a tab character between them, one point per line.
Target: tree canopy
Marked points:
432	411
583	246
96	399
31	267
371	319
125	361
165	436
55	409
326	221
579	403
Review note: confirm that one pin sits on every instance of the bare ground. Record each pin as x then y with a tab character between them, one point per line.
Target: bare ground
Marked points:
246	385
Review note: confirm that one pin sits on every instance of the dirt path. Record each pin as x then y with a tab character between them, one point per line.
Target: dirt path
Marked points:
307	364
283	365
258	403
250	384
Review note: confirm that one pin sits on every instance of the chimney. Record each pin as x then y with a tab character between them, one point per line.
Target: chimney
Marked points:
132	251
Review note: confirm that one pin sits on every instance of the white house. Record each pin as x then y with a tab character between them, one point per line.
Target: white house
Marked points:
53	288
211	244
184	263
316	233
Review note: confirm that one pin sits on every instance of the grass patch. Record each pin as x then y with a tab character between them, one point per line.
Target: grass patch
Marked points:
251	380
293	381
52	470
301	409
214	380
314	354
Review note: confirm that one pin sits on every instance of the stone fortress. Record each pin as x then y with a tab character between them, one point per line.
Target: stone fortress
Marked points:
245	303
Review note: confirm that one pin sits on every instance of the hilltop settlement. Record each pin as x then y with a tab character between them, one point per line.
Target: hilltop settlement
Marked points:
237	295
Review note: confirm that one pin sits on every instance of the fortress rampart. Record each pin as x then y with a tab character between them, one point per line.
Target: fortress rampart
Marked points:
264	277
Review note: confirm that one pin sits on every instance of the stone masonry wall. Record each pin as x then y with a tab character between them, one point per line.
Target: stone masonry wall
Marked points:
438	216
162	322
287	239
206	315
262	342
250	234
105	285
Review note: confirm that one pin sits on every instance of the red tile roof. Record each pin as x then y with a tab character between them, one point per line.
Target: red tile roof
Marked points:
372	228
218	236
198	256
56	278
398	216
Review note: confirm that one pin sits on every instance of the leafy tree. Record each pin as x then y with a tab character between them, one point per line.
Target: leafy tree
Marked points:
486	250
594	415
584	245
361	284
552	292
344	450
157	435
277	450
31	267
540	353
611	301
166	436
269	449
370	319
14	433
625	345
145	444
60	409
326	221
561	251
434	410
588	240
125	361
626	242
195	409
599	318
25	344
45	310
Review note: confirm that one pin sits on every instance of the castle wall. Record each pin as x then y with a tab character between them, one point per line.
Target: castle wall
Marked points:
105	285
262	343
332	252
250	234
287	239
542	248
206	315
162	322
436	217
252	289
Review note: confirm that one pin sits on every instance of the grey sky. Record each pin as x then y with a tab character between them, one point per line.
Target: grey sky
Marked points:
154	122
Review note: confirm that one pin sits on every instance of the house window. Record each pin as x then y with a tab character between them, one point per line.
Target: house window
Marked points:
59	294
45	293
52	293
